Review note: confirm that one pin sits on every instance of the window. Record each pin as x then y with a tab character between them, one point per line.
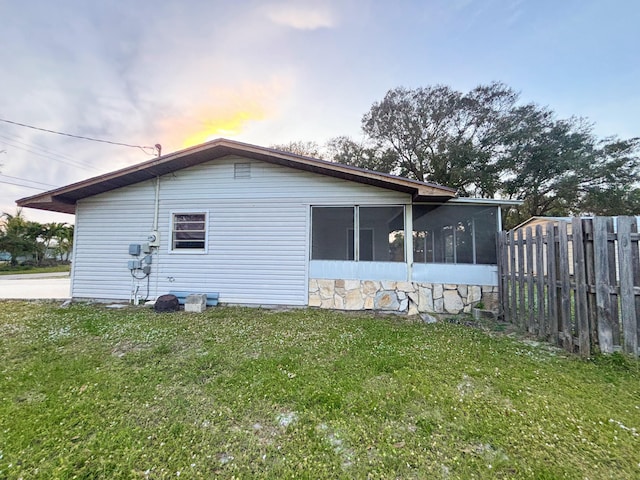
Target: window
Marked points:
357	233
330	233
454	234
189	232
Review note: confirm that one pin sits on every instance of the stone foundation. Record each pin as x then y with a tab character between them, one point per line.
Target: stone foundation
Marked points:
407	297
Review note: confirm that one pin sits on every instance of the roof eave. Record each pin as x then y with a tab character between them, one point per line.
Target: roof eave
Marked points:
64	199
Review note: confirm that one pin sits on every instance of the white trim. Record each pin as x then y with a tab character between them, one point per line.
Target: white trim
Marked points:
456	274
341	270
307	252
479	201
408	239
72	273
188	251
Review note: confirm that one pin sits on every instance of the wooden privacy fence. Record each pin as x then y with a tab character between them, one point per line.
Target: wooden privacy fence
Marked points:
576	284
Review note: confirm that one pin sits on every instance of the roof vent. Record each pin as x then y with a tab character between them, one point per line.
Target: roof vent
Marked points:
242	170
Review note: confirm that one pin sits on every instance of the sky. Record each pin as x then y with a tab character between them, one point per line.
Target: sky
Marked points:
181	72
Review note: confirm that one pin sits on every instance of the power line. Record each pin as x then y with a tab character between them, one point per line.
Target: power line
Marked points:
27	180
49	157
46	150
141	147
21	185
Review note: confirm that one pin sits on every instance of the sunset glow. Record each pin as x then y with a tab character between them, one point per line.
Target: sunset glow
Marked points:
226	112
227	125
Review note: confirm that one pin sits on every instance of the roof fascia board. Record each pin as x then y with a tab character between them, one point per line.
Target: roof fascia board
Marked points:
220	148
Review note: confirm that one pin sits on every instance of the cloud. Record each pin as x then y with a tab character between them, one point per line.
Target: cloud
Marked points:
301	17
225	112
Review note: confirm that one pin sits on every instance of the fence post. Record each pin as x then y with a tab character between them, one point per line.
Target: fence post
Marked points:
613	281
512	265
587	231
627	296
503	272
522	316
540	280
531	304
565	287
580	278
635	253
603	297
552	291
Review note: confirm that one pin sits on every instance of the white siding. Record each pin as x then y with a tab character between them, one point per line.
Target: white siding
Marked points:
257	240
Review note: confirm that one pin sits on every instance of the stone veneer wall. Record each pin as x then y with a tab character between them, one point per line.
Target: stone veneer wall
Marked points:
407	297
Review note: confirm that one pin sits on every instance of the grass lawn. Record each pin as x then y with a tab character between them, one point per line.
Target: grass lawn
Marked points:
8	270
91	392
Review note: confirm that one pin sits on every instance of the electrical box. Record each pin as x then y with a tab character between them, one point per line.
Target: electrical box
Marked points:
154	239
147	259
134	264
134	249
146	269
146	248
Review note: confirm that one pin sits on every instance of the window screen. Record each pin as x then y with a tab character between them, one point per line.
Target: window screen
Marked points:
189	231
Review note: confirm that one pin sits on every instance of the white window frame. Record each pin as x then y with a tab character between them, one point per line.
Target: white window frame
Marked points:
189	251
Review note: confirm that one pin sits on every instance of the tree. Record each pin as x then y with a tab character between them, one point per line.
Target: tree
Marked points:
485	144
444	136
17	235
303	148
614	189
51	236
65	242
361	154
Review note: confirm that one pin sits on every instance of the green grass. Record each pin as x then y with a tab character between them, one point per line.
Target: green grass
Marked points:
8	270
89	392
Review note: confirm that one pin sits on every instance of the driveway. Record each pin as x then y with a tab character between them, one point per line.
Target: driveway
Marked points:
35	286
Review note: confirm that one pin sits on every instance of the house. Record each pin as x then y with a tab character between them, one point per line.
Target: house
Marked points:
265	227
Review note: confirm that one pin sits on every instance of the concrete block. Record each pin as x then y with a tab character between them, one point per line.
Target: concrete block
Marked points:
195	302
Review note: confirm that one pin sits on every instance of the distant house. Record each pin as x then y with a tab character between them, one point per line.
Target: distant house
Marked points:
265	227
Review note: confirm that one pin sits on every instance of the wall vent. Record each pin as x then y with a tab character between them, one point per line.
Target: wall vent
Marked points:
242	170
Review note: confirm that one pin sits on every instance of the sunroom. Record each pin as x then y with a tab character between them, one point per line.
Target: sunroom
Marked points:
391	252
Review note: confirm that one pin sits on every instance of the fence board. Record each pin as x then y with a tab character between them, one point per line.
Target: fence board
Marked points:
565	287
530	274
580	278
540	280
603	298
503	269
521	308
578	288
552	291
512	279
627	296
613	281
635	253
587	230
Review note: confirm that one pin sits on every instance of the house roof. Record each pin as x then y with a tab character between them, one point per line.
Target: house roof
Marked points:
64	199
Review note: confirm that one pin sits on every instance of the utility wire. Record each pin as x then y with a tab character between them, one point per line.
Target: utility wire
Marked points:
21	185
45	150
27	180
49	157
141	147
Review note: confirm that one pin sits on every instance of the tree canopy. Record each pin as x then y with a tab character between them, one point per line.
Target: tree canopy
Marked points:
487	143
20	237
